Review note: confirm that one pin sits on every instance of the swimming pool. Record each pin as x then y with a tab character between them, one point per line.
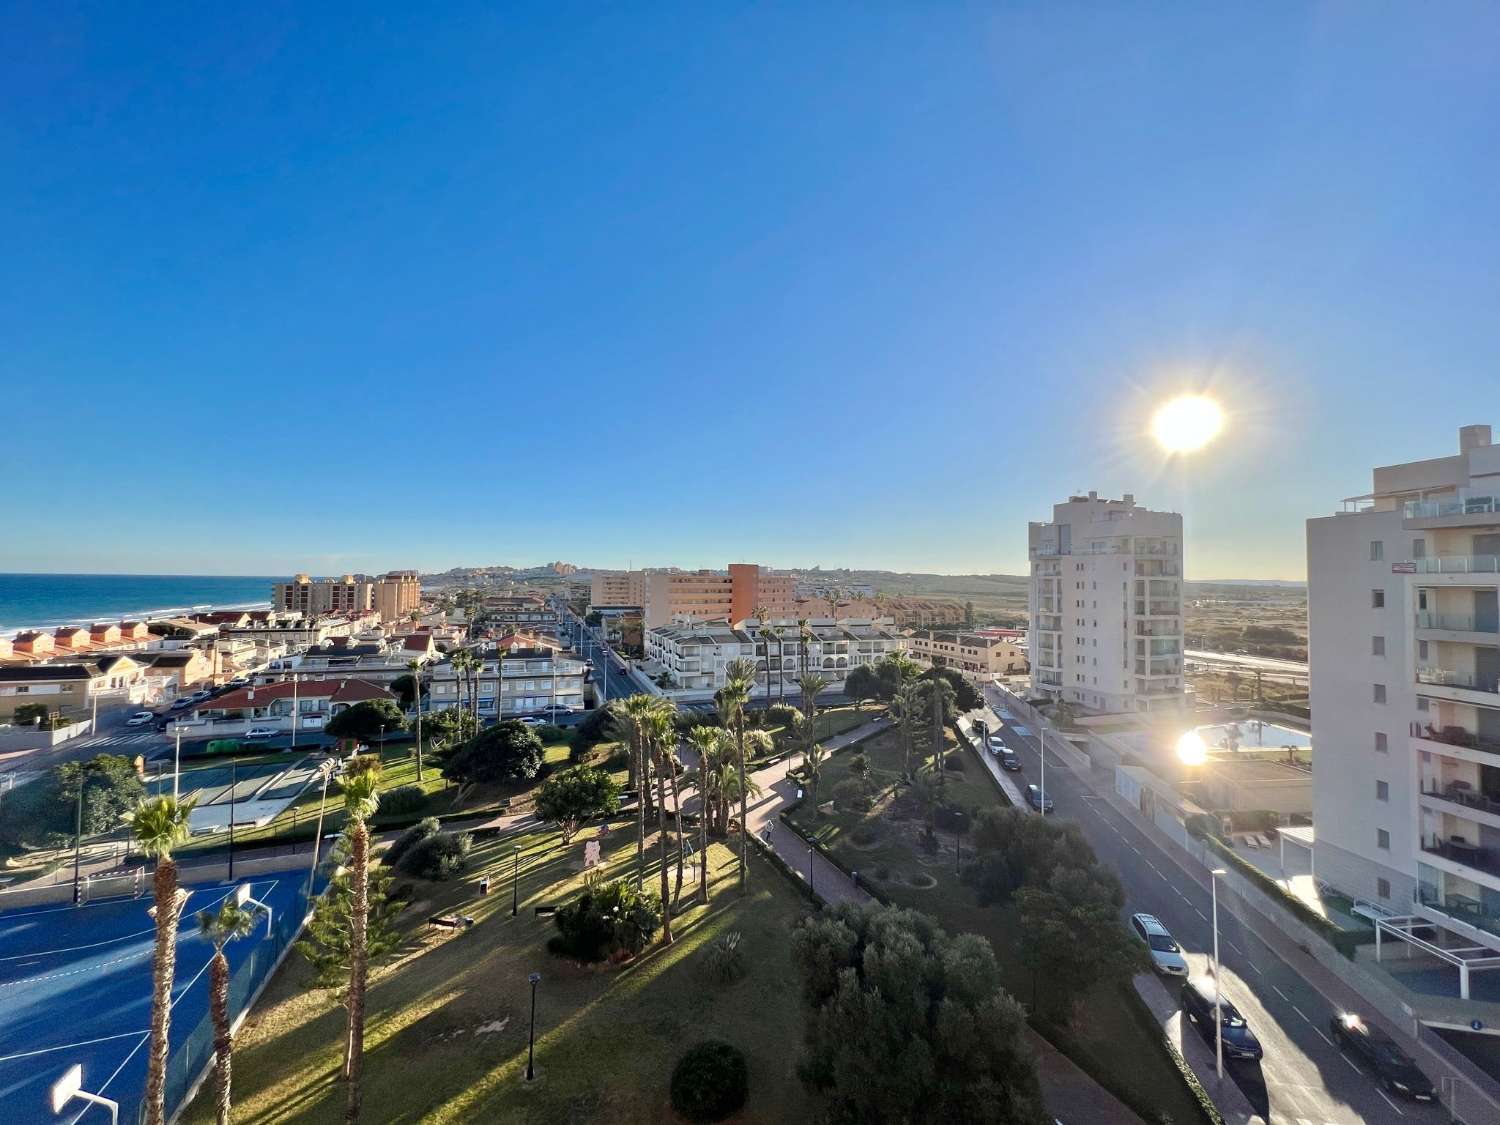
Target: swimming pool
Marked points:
1252	734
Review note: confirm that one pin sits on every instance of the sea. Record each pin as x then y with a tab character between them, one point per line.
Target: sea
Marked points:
46	601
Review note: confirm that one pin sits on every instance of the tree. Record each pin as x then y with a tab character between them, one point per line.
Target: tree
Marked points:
416	681
326	940
862	684
906	707
710	743
813	761
449	727
632	718
361	784
894	672
905	1024
1071	934
661	740
1013	848
405	687
966	696
45	813
731	700
221	927
159	825
810	686
369	721
507	751
571	797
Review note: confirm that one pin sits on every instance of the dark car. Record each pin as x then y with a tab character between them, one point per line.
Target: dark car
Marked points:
1198	1005
1010	760
1395	1070
1035	799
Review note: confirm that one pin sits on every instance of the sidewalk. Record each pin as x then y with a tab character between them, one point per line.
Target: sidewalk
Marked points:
1226	1095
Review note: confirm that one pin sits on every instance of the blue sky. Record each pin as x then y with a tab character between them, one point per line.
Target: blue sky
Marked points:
316	287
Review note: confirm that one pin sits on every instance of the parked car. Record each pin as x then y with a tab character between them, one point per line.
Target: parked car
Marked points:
261	732
996	744
140	719
185	702
238	682
200	696
531	721
1197	999
1392	1066
1166	954
1010	760
1035	799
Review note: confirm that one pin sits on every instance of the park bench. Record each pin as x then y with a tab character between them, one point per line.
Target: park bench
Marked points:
546	911
451	921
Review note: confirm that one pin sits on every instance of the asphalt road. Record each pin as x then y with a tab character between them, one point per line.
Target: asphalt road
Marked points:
616	683
1303	1078
1264	663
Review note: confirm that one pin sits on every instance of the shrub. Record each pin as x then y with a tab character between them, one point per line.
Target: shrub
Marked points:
613	918
550	733
710	1082
782	715
864	835
859	762
723	961
402	800
438	856
852	793
619	758
410	839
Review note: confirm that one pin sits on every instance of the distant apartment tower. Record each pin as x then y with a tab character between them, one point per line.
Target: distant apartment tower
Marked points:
1404	662
394	594
671	595
1106	606
616	588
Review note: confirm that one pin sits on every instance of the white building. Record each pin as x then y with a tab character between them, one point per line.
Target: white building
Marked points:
534	681
1404	654
695	655
974	654
1106	606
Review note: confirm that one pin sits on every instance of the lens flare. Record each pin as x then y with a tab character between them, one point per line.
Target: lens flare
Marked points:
1187	423
1190	749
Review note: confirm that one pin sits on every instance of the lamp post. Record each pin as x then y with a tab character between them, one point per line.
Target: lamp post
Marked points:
233	781
77	841
809	868
294	712
1218	1011
176	758
535	979
326	769
515	881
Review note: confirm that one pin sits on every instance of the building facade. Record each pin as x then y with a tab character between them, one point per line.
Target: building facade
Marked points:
1106	606
615	588
393	595
973	654
1404	662
693	656
528	681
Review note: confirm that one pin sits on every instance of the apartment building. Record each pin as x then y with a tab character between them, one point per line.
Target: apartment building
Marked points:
1404	659
616	588
529	681
393	595
694	655
973	654
670	595
1106	606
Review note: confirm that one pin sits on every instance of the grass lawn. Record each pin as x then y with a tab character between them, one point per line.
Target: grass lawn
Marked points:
446	1032
1110	1042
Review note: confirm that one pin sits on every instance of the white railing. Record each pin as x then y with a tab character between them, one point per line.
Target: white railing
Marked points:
1461	506
1445	677
1459	564
1455	622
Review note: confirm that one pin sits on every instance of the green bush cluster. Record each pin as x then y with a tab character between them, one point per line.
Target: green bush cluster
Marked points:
605	920
411	838
722	960
403	800
439	856
710	1082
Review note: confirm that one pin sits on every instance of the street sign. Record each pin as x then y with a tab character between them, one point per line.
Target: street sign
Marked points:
1404	568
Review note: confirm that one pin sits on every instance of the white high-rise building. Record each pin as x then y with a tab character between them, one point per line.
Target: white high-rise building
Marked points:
1106	606
1404	652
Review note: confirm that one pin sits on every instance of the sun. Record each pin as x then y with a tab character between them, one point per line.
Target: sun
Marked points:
1190	749
1187	423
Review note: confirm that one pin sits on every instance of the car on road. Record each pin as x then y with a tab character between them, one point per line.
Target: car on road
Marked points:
141	719
261	732
200	696
1035	799
996	744
1166	954
1197	999
1010	760
183	703
238	682
531	721
1392	1066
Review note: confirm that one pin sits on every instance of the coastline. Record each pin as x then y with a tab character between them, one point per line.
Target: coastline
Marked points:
47	602
9	631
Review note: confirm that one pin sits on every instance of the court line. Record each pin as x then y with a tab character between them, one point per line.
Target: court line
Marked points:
77	948
71	1046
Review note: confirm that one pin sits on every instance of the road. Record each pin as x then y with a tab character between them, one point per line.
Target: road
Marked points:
113	737
616	683
1303	1077
1264	663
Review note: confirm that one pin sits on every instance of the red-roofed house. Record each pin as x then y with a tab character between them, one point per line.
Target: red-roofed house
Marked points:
270	705
32	643
71	637
134	631
104	633
419	646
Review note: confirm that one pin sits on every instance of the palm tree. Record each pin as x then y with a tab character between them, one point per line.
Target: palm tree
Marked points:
811	684
631	716
763	635
906	708
222	927
415	667
660	730
361	784
813	762
739	679
780	661
709	742
159	825
805	636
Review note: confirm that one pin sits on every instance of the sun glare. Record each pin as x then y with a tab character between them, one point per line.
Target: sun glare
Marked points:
1190	749
1187	423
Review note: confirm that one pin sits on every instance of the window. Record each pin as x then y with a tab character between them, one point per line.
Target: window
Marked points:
1382	791
1419	548
1377	646
1377	550
1383	888
1382	744
1379	693
1377	599
1382	839
1421	650
1422	703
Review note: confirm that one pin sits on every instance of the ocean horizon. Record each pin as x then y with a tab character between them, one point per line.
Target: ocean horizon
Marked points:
49	601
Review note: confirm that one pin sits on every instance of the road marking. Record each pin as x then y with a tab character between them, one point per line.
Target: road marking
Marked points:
1283	995
1182	896
1135	849
1200	914
1253	967
1301	1013
1388	1101
1234	947
1325	1038
1346	1059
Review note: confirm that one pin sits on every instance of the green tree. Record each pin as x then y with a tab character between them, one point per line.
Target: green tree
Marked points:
1071	934
711	745
405	688
367	722
221	927
907	1025
966	696
507	751
811	685
570	798
731	701
813	761
894	672
1013	848
632	718
160	825
45	813
862	684
661	744
415	676
906	708
361	784
450	727
325	942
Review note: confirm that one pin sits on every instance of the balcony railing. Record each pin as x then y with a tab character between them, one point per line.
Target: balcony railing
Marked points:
1444	677
1158	629
1461	851
1155	568
1455	622
1460	793
1462	908
1455	736
1157	609
1468	506
1459	564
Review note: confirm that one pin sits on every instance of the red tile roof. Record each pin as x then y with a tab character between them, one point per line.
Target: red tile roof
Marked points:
335	691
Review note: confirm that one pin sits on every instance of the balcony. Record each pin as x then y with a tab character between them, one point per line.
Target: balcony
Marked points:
1158	609
1455	736
1467	506
1458	564
1161	629
1462	681
1049	622
1459	908
1456	623
1158	668
1458	850
1155	568
1463	796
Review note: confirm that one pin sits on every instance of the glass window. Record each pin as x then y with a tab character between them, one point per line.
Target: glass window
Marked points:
1377	646
1377	599
1382	839
1377	550
1379	693
1381	743
1383	886
1382	791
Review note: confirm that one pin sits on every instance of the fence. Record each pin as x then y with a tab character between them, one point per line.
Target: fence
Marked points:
192	1059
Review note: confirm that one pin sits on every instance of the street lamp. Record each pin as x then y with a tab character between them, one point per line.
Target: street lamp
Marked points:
1218	1011
515	881
535	979
326	769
